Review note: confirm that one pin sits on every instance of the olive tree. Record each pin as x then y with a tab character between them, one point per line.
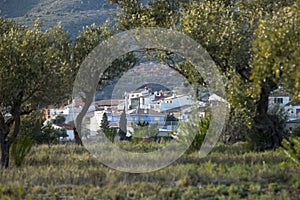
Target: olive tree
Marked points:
228	30
35	72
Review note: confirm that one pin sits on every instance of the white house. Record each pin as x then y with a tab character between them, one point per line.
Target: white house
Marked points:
68	128
175	101
279	97
282	99
293	110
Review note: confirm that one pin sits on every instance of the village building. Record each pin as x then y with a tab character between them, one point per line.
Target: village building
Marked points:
281	99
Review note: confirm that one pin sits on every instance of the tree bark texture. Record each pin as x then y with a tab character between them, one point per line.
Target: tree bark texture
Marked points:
268	126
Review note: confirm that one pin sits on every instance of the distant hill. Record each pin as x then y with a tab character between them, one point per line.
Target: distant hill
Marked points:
154	87
73	14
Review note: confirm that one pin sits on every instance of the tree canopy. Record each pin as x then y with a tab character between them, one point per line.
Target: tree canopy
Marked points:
35	71
276	50
246	39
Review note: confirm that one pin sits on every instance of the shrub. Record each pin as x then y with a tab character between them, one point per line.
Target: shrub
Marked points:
143	131
20	148
192	133
110	133
296	132
291	148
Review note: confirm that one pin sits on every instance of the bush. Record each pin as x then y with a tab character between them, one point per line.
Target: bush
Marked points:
296	132
291	148
143	131
110	133
192	133
20	148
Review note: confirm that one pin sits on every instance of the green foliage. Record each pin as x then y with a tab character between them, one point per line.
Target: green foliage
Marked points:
104	122
143	131
158	13
217	27
60	133
171	118
47	134
32	125
296	132
35	71
20	148
291	148
140	147
110	133
193	132
252	38
59	119
258	141
275	47
240	121
89	38
12	191
37	55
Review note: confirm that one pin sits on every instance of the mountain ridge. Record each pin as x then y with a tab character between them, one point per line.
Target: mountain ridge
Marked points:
73	15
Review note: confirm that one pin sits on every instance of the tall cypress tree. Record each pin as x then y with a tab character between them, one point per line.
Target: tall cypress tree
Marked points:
123	126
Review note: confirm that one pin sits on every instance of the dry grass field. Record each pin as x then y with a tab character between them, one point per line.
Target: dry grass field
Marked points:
229	172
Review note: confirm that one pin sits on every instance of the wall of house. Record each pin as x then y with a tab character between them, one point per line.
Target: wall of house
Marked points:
64	112
152	119
279	100
175	102
70	134
293	111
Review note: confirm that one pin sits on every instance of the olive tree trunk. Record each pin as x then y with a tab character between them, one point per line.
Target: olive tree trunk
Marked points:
269	128
6	138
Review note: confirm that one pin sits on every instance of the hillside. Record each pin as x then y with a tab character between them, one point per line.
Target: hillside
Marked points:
73	14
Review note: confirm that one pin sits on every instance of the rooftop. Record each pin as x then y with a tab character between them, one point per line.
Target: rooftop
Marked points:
146	112
279	93
293	103
109	102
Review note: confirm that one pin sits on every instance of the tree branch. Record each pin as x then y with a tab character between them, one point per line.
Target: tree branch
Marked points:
26	112
30	95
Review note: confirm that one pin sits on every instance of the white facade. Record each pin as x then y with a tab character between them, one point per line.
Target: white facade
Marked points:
283	100
293	111
175	102
94	121
63	112
280	100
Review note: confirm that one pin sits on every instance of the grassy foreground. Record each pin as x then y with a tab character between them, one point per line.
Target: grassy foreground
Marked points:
229	172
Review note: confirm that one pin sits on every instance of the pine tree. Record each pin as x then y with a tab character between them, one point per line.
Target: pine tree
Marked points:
108	132
104	122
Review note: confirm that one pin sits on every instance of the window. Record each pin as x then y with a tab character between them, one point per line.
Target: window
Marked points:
278	100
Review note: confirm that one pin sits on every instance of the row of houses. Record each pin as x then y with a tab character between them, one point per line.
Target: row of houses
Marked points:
142	105
145	105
